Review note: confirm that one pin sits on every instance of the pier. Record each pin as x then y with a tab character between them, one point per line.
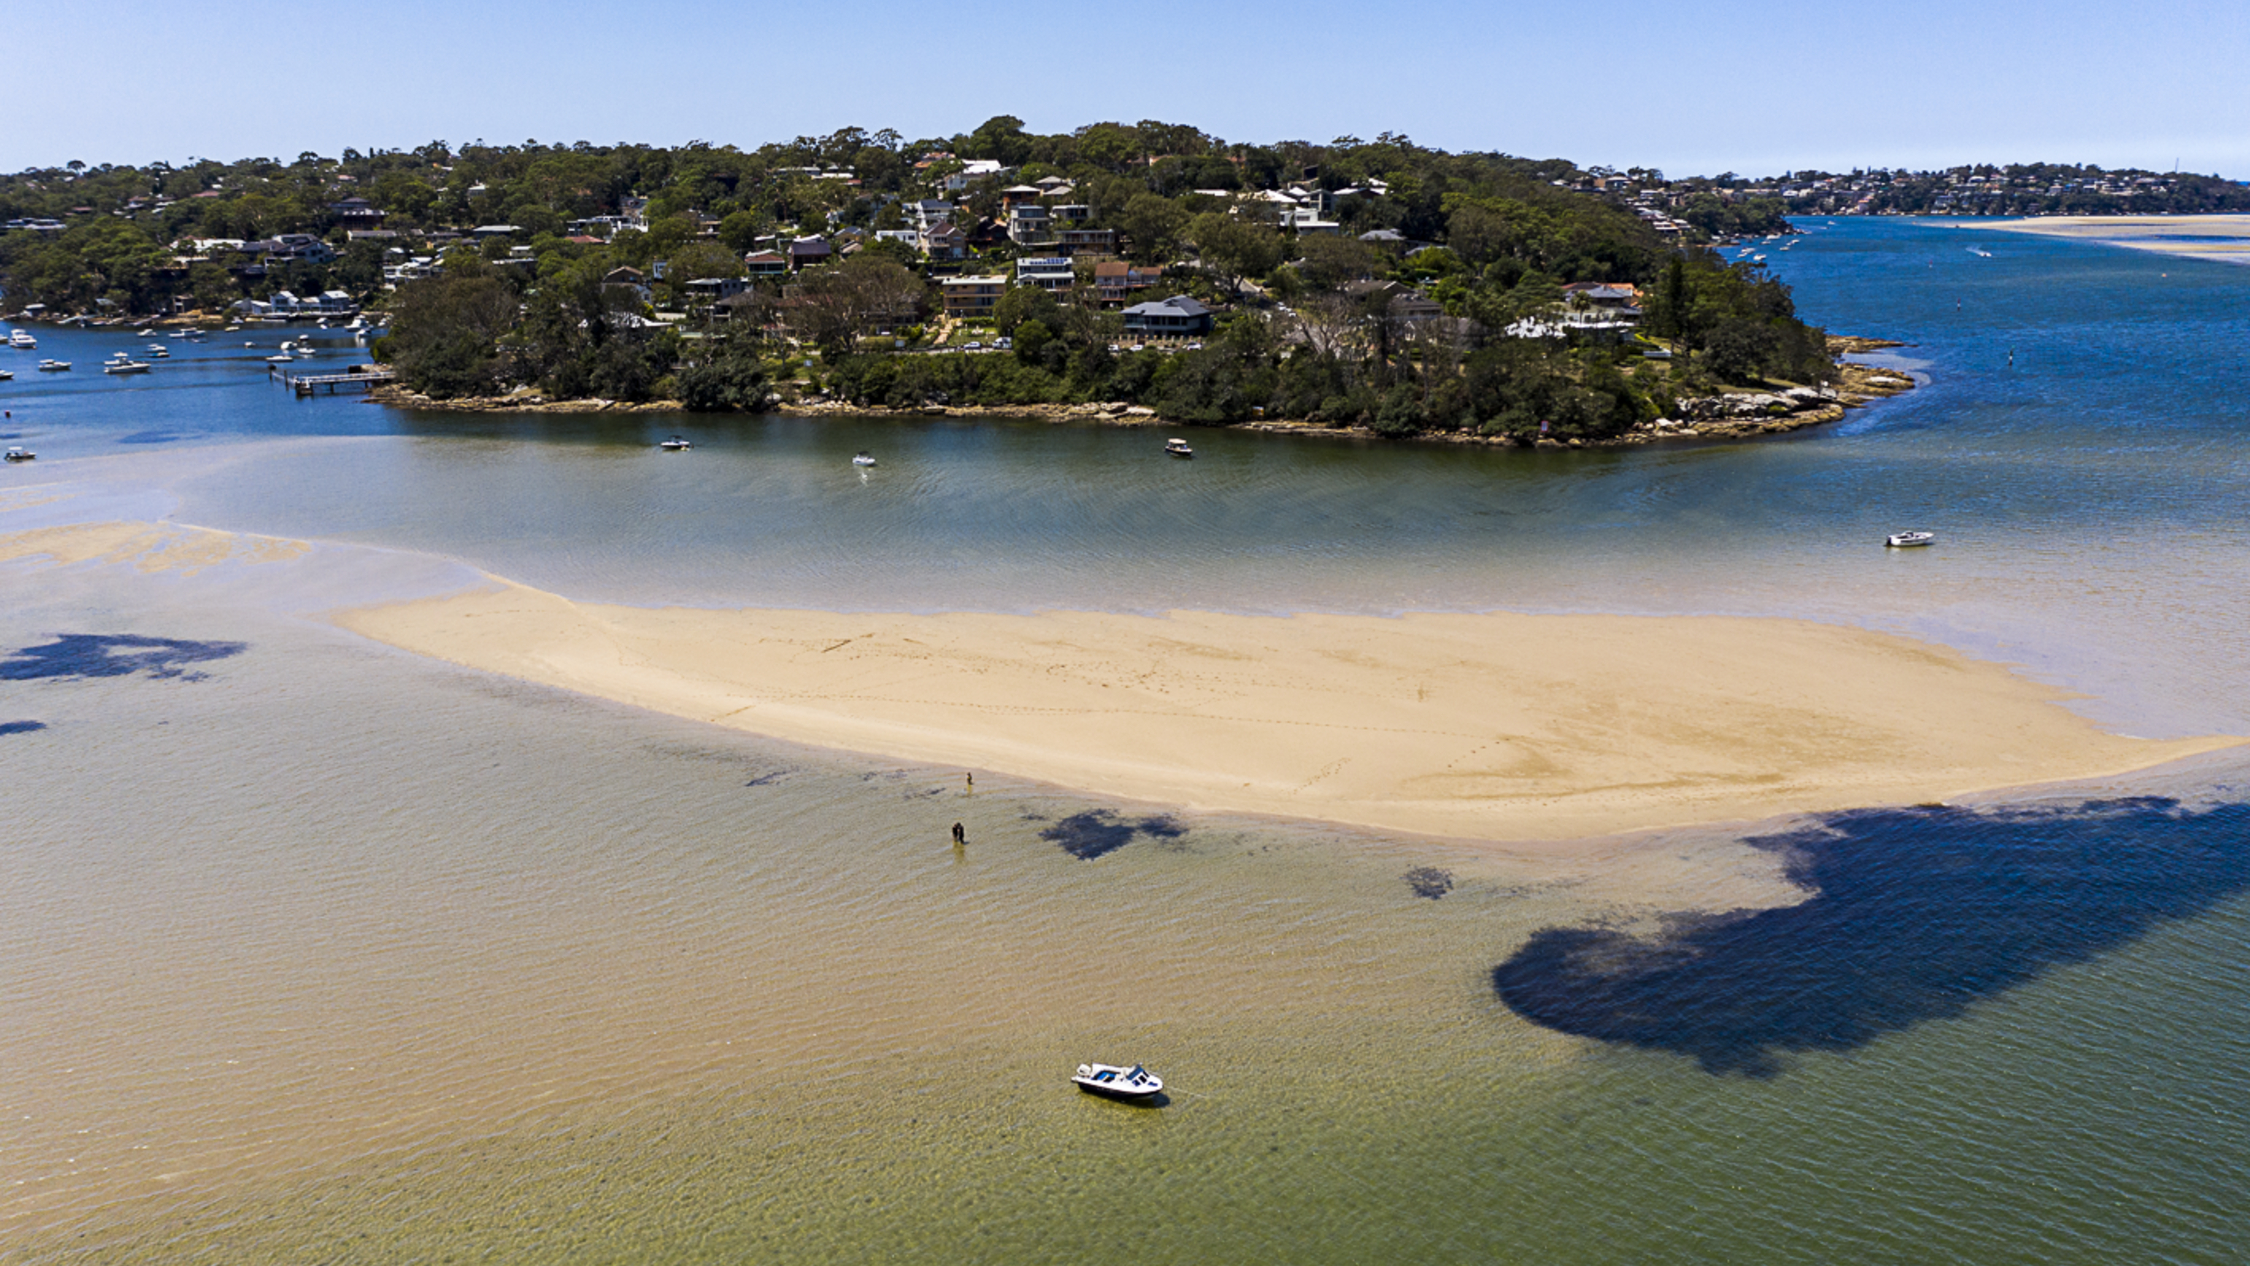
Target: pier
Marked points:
358	376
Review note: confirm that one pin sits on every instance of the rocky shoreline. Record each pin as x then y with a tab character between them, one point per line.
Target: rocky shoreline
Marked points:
1729	415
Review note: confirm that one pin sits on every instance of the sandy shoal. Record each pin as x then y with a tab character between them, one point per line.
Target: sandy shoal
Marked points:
2221	237
150	547
1495	727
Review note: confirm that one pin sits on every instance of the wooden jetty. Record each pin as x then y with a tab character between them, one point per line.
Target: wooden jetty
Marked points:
357	377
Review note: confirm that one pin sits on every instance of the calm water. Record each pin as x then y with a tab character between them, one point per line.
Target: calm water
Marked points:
311	950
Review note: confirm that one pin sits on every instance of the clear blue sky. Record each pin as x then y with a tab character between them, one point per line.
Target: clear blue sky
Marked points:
1752	87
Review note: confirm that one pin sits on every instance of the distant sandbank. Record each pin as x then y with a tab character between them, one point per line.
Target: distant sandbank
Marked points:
1498	727
2221	237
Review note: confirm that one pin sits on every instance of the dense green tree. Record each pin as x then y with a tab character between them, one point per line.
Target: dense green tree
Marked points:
445	332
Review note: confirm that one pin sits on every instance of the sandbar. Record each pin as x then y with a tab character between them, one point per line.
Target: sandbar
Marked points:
2225	238
1521	729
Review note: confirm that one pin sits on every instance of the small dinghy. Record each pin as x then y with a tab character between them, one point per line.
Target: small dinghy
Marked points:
1904	540
1178	448
675	445
1118	1083
864	459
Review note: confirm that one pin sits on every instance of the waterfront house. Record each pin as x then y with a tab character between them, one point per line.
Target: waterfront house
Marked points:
765	264
1176	317
972	297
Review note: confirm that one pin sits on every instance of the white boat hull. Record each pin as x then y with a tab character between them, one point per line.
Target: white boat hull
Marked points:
1134	1084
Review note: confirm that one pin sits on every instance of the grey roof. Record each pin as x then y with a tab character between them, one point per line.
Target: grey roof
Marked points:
1177	305
1381	235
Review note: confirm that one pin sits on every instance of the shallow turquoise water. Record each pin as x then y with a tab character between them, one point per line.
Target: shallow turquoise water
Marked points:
334	953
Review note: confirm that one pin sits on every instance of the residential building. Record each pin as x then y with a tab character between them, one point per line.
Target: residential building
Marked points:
765	264
808	250
1086	241
709	290
1406	304
1028	225
1610	300
1114	280
974	170
1048	272
356	213
944	242
972	296
1176	317
927	212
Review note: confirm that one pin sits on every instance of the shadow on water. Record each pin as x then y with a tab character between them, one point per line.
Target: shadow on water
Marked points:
114	655
21	727
1099	832
1918	914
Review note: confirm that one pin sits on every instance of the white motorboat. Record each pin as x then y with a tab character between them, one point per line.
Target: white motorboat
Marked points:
20	454
676	444
1118	1083
54	367
159	351
7	375
1906	540
283	359
1178	448
127	367
864	459
23	339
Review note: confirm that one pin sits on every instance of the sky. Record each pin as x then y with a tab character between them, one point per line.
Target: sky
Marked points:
1746	86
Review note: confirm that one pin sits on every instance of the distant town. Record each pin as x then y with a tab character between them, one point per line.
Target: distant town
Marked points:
1148	268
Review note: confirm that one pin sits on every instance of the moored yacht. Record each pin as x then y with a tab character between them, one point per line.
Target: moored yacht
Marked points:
677	444
23	339
1178	448
20	454
864	459
54	367
1907	540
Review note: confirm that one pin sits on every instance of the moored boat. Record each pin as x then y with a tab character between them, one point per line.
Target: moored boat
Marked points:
676	444
1118	1082
864	459
23	339
54	367
20	454
127	366
1178	448
1906	540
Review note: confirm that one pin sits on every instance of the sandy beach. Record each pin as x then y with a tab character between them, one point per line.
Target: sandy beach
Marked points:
2220	237
1498	727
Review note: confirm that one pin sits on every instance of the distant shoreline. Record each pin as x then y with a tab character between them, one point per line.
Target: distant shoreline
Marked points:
2180	236
1735	415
